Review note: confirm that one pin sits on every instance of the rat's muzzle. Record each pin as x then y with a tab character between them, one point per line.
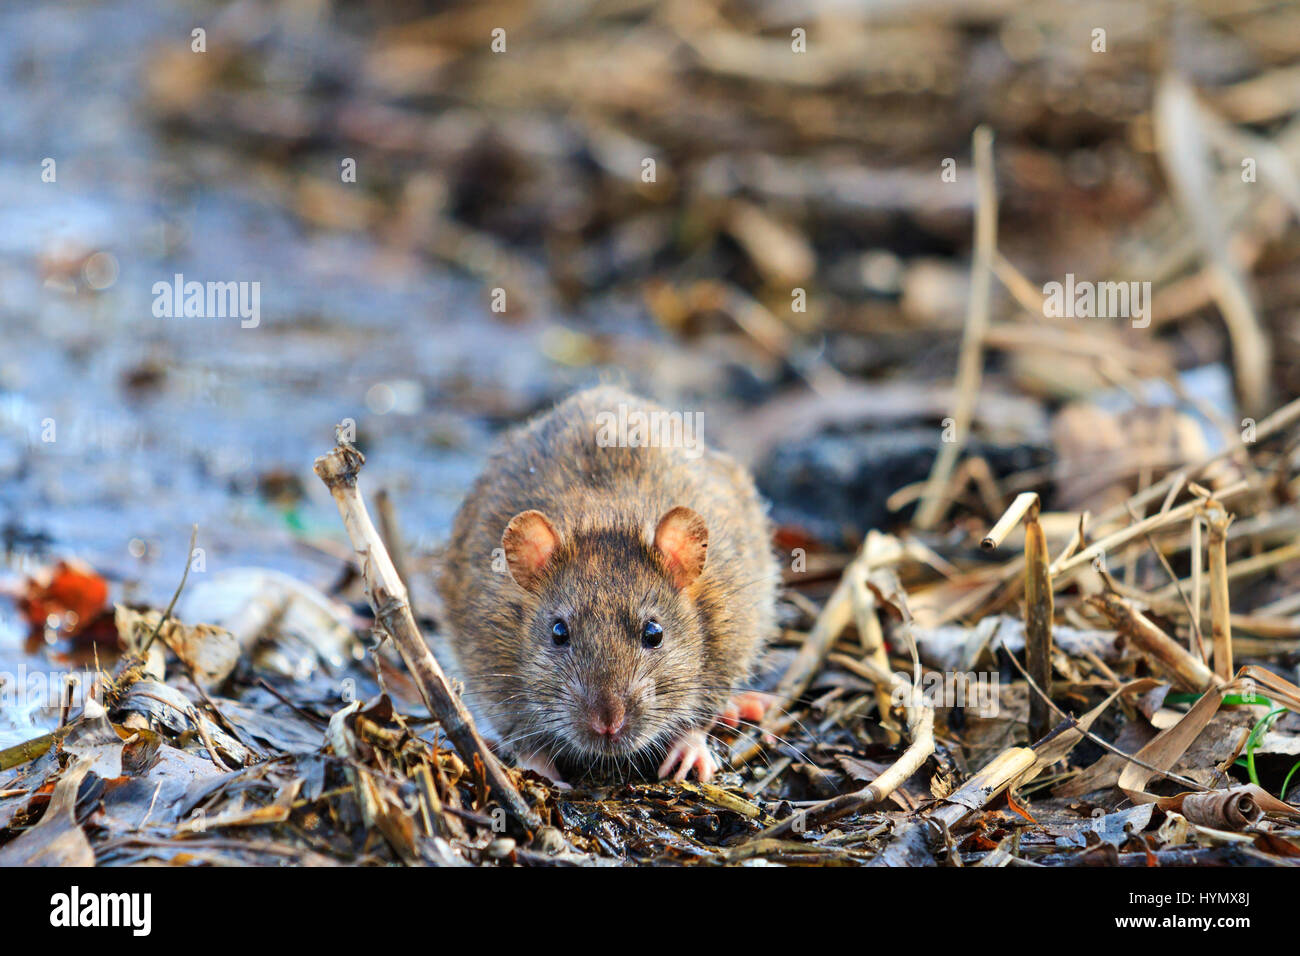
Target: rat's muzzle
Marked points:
608	717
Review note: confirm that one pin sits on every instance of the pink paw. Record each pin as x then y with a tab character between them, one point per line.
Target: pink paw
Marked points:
690	751
540	763
748	706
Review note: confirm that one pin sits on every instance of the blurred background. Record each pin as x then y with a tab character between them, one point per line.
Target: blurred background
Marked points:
760	210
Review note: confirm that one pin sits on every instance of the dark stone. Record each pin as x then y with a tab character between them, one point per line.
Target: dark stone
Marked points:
835	485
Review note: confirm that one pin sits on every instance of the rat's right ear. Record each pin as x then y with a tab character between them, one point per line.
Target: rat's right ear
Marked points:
682	540
529	541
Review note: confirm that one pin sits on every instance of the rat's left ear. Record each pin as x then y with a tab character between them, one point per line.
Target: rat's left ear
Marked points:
682	539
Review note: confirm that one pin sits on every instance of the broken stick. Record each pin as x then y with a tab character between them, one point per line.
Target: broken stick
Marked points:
1221	626
920	724
1164	653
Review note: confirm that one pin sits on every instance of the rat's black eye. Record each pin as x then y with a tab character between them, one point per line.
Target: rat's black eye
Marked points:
560	633
652	635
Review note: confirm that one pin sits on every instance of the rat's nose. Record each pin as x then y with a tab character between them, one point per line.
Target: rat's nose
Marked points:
608	716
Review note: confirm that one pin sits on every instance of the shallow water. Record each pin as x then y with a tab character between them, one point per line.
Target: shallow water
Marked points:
120	429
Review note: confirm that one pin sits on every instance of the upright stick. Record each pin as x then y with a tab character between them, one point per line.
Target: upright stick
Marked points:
970	360
1221	625
1038	621
388	598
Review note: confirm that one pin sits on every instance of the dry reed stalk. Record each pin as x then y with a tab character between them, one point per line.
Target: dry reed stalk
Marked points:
391	534
970	360
1180	139
834	617
1065	569
1198	555
1038	621
998	533
1006	581
877	551
1220	625
1038	602
873	642
1246	567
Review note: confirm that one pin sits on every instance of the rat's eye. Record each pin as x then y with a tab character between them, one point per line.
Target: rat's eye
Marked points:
652	635
560	633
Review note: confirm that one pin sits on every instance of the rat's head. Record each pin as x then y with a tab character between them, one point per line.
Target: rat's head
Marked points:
611	639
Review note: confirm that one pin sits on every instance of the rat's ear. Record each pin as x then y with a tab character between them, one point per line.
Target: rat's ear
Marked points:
681	540
529	541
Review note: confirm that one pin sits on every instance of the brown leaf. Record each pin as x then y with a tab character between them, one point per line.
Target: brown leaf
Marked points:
70	591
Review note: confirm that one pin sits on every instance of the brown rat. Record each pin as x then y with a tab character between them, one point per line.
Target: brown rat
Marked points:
607	600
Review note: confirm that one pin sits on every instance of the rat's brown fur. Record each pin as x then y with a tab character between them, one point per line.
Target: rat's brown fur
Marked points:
605	579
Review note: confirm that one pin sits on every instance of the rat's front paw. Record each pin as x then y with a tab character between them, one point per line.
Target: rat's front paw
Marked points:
690	751
540	763
749	706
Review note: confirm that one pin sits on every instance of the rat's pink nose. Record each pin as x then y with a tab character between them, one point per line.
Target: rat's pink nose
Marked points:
608	717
